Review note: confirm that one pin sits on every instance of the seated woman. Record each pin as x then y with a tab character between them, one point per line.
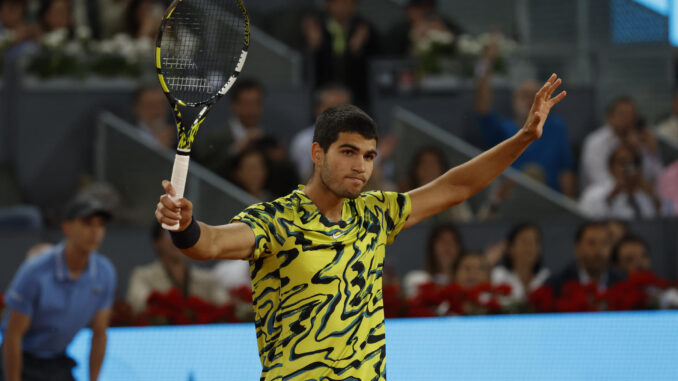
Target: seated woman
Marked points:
522	268
443	248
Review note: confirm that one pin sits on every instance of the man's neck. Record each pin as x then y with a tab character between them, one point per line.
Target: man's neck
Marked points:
329	204
76	260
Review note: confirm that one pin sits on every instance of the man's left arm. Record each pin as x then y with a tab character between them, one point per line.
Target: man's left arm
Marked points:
99	339
463	181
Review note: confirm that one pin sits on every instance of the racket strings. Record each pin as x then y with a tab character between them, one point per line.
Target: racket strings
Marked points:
201	46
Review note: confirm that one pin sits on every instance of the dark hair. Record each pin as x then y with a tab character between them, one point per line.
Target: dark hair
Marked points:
507	261
629	238
463	256
442	161
612	106
141	89
345	118
132	24
581	230
433	236
637	159
245	84
45	5
19	2
238	159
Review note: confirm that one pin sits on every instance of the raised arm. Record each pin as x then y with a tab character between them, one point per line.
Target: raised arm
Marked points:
231	241
462	182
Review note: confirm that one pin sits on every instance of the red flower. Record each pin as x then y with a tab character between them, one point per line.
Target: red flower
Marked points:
647	279
493	306
243	293
503	289
543	299
392	301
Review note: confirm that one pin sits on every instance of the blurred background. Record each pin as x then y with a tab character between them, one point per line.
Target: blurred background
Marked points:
81	111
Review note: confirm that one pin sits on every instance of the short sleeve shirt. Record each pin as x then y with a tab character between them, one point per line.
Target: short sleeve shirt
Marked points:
317	285
58	306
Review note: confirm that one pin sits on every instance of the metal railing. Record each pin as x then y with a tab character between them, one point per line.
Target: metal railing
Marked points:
529	199
135	166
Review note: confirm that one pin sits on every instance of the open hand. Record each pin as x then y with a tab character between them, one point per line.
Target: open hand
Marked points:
543	102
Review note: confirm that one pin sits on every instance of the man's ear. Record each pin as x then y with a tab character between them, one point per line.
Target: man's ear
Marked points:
317	153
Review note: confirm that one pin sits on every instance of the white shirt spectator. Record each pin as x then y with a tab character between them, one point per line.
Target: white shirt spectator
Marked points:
594	203
668	129
300	152
596	150
232	274
502	275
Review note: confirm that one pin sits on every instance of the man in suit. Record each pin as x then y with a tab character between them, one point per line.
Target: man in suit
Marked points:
592	260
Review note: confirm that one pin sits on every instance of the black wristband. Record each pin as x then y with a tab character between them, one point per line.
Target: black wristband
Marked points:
187	238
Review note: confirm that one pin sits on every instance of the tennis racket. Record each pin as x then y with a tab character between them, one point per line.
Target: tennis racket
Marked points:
200	51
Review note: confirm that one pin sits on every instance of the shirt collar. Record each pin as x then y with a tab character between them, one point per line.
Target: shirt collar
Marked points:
62	273
584	278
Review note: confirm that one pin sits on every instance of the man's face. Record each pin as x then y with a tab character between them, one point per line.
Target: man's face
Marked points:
623	166
593	249
623	118
347	165
86	233
633	257
11	14
248	107
151	107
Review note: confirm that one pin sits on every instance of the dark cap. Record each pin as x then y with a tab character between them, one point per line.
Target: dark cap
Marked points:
85	206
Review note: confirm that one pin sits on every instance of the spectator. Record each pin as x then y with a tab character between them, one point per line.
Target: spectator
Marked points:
549	159
151	113
522	266
171	270
56	15
55	295
622	127
341	42
232	275
421	19
143	18
14	31
592	260
617	230
627	196
668	185
215	148
427	165
631	255
249	171
282	175
471	270
326	97
443	249
668	128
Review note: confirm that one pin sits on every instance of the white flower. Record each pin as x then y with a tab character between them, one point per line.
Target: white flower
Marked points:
83	33
669	299
73	48
466	44
440	36
56	38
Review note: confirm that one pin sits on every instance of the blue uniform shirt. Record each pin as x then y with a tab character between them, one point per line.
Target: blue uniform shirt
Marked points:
552	152
58	306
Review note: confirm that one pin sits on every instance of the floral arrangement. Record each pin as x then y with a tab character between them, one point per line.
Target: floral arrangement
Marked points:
60	55
174	308
641	291
439	51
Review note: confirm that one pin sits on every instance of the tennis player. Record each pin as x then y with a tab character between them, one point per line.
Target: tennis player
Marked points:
316	255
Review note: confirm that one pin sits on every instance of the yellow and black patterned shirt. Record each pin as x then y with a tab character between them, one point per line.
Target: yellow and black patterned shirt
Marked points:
317	285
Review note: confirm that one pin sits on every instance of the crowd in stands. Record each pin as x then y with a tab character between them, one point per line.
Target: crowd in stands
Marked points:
619	177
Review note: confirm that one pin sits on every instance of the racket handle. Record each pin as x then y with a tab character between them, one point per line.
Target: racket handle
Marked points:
179	174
